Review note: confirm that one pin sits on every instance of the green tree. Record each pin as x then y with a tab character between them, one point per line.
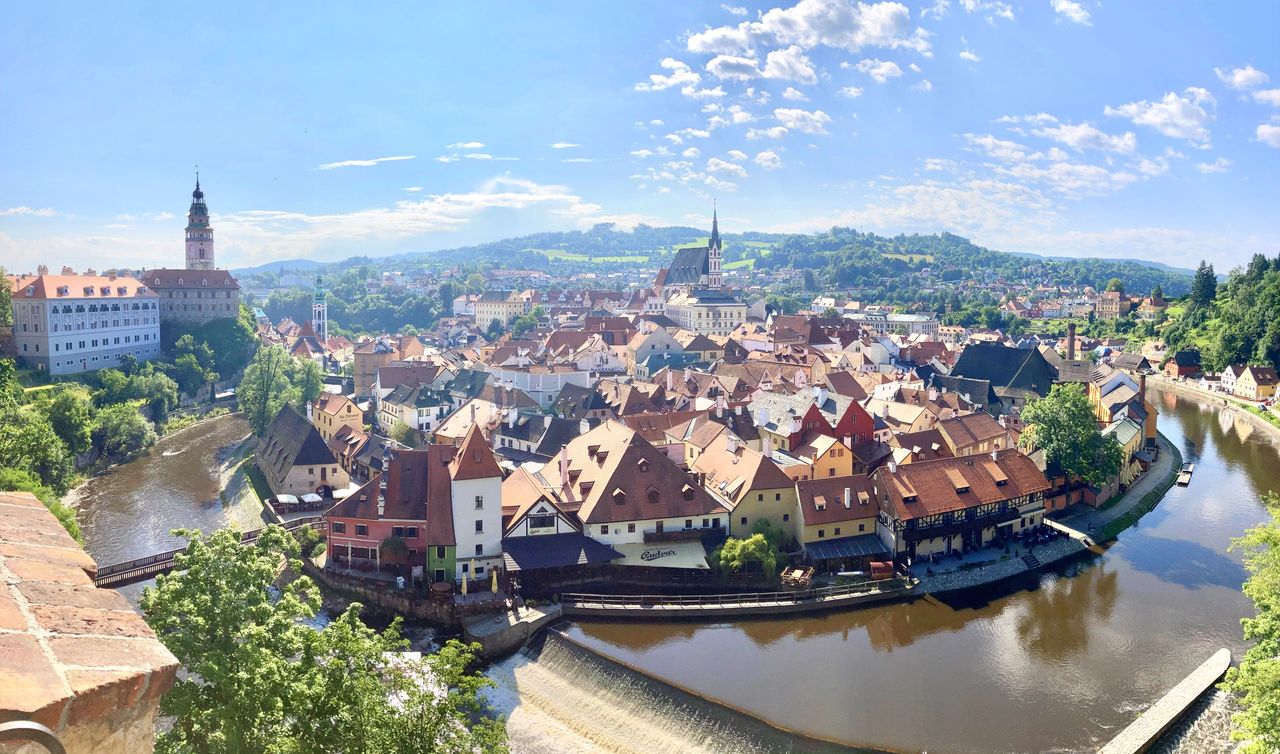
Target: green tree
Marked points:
10	388
1256	680
128	364
188	373
119	431
1063	425
1157	292
71	415
28	443
188	345
17	480
736	553
403	434
309	380
526	322
1115	284
6	301
263	681
266	387
1205	285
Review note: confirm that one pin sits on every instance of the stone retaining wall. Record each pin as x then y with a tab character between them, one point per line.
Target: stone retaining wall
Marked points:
439	614
73	657
1051	552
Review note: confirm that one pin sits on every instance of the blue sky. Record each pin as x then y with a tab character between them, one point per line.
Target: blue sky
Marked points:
1071	127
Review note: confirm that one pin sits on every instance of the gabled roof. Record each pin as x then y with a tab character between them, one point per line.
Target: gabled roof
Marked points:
291	440
474	459
971	429
1011	371
924	489
688	266
733	470
822	500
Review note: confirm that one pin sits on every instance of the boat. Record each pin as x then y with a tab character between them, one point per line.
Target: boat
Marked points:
1184	476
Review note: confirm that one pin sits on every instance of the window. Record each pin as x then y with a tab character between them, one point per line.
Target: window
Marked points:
862	527
715	523
631	528
822	533
339	527
362	530
837	531
658	527
786	517
479	552
397	531
653	497
411	532
479	502
604	529
688	523
705	522
831	471
744	520
440	552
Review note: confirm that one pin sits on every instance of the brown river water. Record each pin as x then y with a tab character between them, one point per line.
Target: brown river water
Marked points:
1058	662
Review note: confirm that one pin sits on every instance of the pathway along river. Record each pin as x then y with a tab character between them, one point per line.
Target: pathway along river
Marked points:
1060	662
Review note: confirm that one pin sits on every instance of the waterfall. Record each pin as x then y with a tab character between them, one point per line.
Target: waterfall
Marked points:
560	697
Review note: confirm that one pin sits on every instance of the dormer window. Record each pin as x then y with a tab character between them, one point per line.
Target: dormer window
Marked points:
654	497
204	282
31	290
619	497
179	281
88	290
644	465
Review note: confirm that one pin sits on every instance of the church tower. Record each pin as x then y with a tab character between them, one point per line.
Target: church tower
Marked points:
320	314
713	251
199	234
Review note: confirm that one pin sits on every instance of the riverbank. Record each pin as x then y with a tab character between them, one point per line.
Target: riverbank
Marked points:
1270	421
1104	524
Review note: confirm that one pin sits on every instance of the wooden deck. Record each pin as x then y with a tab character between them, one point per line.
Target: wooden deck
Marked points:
667	607
1184	476
141	569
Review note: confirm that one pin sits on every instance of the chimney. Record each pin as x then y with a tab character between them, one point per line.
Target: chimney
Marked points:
546	422
1142	387
995	455
847	494
766	447
511	418
1071	342
583	427
893	467
564	471
668	379
308	412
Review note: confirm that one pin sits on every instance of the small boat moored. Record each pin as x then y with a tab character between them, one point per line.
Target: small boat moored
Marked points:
1184	476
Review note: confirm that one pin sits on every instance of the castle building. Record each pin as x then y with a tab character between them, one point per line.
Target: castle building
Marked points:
198	292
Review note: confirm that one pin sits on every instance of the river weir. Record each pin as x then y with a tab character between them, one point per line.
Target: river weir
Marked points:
1055	662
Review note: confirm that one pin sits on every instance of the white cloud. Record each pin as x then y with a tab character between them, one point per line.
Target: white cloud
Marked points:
447	158
768	159
412	189
363	163
850	91
737	155
484	156
924	85
1073	179
564	145
1267	97
1071	11
1219	165
880	70
803	121
735	10
694	133
733	67
1179	116
812	23
1037	119
1082	136
1001	149
776	132
790	64
717	165
970	56
740	115
466	145
915	68
937	164
680	75
696	92
795	95
1247	77
642	153
1269	134
1153	167
581	159
691	152
27	211
655	123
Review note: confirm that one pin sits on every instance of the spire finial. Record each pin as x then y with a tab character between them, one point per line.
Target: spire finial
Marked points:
197	175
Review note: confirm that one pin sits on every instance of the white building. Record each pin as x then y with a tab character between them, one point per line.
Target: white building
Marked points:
68	323
542	383
476	490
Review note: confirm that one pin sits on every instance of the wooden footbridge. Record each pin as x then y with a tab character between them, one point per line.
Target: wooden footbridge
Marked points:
141	569
667	607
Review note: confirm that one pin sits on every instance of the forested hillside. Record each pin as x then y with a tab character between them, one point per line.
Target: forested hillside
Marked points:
1236	322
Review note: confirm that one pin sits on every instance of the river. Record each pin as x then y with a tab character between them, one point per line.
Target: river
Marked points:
129	510
1057	663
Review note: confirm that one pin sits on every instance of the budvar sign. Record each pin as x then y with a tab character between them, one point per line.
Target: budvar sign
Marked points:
648	555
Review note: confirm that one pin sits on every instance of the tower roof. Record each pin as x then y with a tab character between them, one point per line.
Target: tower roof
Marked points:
715	229
197	196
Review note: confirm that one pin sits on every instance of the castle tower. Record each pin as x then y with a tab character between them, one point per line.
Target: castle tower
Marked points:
320	314
199	234
713	251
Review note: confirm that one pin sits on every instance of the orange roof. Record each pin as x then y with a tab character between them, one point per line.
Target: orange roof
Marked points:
47	286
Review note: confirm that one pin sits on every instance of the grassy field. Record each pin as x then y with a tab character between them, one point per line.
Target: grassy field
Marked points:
570	256
741	264
910	258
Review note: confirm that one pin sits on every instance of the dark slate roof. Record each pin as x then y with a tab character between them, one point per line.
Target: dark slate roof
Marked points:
554	551
688	266
1131	361
467	384
558	435
1187	358
574	401
1011	371
290	441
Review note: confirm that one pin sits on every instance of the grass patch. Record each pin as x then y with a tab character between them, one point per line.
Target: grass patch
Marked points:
741	264
910	258
186	420
571	256
1112	528
256	479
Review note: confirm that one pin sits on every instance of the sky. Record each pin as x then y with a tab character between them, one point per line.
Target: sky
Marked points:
325	130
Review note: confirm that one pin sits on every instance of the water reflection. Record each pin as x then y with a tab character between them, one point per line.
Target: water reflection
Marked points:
1181	562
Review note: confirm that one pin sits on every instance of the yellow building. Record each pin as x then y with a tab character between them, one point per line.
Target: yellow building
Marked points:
503	306
819	457
1256	383
751	486
333	412
1129	434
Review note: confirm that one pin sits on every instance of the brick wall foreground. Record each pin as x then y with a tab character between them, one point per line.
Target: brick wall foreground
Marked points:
73	657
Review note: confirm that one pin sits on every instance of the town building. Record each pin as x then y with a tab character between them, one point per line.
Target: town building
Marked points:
837	523
332	412
500	306
377	352
69	323
746	482
295	459
199	292
1256	383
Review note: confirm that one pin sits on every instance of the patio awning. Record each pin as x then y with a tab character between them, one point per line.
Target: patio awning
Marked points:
690	555
861	546
554	551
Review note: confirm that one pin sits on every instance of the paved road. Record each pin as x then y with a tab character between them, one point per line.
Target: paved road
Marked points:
1085	517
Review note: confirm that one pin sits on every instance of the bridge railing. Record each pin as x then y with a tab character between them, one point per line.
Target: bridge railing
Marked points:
573	599
248	537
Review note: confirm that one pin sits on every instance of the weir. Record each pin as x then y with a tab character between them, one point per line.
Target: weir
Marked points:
560	696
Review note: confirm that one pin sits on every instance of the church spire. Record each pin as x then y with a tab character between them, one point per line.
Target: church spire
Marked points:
715	227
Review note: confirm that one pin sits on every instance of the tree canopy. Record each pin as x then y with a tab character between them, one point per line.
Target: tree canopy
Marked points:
1256	680
1063	425
267	386
263	681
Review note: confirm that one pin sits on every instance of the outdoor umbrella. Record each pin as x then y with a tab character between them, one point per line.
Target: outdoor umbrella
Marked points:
493	586
464	587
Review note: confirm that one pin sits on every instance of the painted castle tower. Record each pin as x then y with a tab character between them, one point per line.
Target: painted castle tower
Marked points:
199	234
320	314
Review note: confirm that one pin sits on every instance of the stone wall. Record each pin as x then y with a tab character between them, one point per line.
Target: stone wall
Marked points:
73	657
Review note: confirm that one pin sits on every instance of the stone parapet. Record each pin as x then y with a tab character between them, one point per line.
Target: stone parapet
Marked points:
73	657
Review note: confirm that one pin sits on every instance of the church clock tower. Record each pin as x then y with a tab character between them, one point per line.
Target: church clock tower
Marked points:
199	234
